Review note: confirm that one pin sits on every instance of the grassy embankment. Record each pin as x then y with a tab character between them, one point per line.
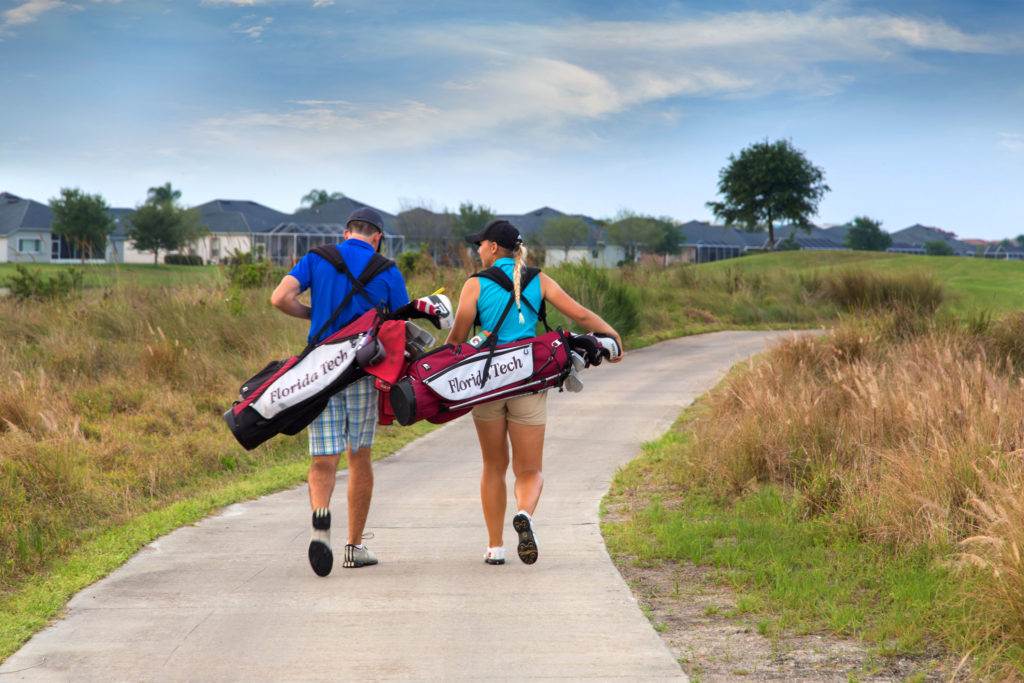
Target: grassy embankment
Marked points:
110	427
867	483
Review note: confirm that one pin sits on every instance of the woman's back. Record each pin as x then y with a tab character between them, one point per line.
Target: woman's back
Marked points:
494	298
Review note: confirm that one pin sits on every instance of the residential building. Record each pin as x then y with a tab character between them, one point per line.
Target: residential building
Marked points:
912	240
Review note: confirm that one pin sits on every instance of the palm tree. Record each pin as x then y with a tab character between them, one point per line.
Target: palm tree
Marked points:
164	193
318	197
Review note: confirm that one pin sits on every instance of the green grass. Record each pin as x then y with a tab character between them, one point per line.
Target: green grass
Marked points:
41	598
971	283
791	573
105	275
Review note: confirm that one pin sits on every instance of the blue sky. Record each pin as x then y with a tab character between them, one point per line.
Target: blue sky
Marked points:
914	109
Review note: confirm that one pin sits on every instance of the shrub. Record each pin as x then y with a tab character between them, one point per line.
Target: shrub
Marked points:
411	262
615	301
31	284
183	260
864	290
247	270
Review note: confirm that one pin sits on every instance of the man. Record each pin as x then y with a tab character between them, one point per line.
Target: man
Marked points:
349	421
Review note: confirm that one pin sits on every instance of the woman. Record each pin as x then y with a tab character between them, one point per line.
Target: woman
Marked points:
520	420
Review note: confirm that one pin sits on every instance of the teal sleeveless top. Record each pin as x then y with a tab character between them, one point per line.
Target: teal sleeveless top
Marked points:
493	299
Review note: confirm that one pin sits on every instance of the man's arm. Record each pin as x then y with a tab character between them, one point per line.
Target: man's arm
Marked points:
286	298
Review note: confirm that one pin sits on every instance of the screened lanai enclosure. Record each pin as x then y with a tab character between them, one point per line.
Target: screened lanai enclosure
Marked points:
286	243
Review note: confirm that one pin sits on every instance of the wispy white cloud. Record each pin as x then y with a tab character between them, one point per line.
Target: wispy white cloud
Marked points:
252	26
30	11
550	82
1011	141
322	3
240	3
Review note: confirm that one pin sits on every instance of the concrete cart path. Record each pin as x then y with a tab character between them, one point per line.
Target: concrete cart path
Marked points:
233	598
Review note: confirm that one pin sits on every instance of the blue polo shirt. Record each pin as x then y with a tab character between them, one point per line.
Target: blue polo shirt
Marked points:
329	287
493	299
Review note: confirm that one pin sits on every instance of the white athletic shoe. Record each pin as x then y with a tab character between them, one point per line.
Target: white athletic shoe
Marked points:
495	555
358	557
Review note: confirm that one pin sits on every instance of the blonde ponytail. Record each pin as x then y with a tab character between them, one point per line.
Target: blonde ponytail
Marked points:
517	277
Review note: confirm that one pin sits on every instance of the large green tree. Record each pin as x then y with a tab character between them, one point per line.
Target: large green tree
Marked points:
668	238
866	234
634	233
565	232
161	224
317	197
83	219
766	183
471	219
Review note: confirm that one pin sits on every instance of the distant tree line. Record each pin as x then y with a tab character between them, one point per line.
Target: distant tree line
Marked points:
765	185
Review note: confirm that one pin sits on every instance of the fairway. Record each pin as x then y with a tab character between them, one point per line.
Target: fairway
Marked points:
971	284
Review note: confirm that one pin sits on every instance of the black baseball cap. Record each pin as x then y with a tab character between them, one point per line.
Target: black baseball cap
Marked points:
499	231
367	215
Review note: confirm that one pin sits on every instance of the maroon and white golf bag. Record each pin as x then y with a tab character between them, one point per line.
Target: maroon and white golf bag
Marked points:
448	381
286	395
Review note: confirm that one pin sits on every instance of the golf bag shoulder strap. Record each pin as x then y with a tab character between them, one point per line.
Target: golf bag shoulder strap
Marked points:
496	274
377	265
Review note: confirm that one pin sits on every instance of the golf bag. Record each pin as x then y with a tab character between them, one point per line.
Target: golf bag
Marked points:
450	380
286	395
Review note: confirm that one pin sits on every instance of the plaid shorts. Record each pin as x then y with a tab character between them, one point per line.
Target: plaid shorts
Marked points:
350	419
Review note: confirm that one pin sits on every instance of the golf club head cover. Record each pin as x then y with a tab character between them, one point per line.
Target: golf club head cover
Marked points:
587	346
436	308
609	347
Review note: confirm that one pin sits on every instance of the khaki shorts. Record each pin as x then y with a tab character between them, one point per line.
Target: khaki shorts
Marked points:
531	409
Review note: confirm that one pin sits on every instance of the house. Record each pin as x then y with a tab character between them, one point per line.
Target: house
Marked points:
1005	251
326	224
26	235
912	240
243	225
817	239
24	230
704	242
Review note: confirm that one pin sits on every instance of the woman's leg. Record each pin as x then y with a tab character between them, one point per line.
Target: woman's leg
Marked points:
493	495
527	463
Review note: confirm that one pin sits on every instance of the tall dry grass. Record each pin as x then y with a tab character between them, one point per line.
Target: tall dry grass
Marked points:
111	403
908	436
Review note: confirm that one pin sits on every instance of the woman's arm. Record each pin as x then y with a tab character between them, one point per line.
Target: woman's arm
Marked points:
579	314
465	314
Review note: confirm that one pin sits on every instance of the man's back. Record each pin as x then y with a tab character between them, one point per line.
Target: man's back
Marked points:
329	287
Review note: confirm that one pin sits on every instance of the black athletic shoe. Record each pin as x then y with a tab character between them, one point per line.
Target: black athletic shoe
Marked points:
321	558
527	547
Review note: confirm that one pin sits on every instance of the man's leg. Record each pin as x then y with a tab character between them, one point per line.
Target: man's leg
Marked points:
360	491
361	403
323	472
325	448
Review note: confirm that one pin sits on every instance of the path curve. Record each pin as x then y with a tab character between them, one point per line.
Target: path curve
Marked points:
233	598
